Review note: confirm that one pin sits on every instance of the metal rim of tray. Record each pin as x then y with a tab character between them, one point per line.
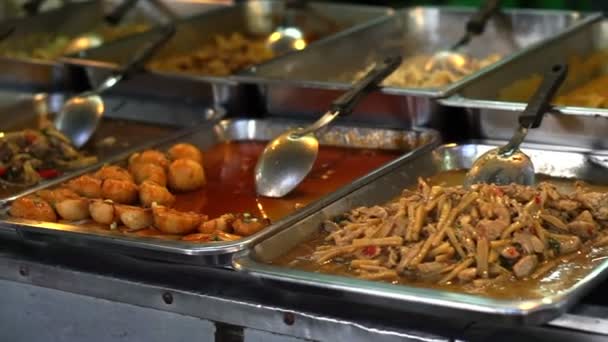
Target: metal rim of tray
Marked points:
527	311
197	249
587	18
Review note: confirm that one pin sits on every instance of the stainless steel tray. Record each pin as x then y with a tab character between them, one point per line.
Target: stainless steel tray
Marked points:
557	162
205	136
70	21
307	81
574	126
256	18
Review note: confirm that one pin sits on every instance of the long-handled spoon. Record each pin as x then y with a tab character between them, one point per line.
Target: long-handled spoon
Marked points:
508	164
92	40
287	159
80	115
451	59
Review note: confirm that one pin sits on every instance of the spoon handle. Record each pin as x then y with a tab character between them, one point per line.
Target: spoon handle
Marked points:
477	23
5	32
349	100
116	16
33	6
540	102
142	56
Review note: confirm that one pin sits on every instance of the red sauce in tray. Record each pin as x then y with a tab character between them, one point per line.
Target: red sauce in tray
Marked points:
230	183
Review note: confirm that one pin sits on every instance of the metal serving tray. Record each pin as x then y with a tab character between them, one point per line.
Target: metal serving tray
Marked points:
256	18
205	136
69	20
331	65
122	117
557	162
574	126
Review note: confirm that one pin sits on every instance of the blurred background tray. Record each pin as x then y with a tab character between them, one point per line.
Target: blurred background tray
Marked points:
494	116
304	83
252	18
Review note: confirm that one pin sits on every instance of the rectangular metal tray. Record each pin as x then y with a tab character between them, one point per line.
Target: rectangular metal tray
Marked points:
574	126
257	18
553	161
205	136
317	73
48	75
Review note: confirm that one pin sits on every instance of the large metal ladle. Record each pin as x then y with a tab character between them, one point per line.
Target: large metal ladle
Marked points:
508	164
80	115
288	159
451	59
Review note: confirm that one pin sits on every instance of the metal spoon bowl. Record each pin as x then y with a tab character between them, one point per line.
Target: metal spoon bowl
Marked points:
451	59
508	164
288	36
80	115
288	159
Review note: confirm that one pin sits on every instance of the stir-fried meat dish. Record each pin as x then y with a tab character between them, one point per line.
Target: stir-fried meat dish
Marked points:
412	74
29	156
450	235
225	56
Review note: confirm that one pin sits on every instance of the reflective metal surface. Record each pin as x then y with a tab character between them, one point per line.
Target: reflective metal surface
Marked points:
205	136
251	18
414	31
557	162
37	74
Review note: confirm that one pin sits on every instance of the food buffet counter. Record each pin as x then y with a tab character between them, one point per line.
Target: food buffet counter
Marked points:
154	229
68	298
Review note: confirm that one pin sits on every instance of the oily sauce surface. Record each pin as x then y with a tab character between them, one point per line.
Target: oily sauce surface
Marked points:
230	187
561	278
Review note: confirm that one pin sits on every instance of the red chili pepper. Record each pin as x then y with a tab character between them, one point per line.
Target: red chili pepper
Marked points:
30	137
498	191
370	250
48	173
537	199
3	171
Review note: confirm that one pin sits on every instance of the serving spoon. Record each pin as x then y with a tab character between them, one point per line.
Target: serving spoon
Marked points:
288	159
92	40
451	59
80	114
508	164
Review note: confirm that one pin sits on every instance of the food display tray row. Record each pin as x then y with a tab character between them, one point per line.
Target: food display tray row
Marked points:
205	136
551	161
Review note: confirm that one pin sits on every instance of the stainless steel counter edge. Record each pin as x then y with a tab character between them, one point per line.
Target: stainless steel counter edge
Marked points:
243	313
280	318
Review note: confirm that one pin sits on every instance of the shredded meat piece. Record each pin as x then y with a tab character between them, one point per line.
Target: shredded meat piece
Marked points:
525	266
467	275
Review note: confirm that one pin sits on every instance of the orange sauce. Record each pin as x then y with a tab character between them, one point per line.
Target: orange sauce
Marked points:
230	187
